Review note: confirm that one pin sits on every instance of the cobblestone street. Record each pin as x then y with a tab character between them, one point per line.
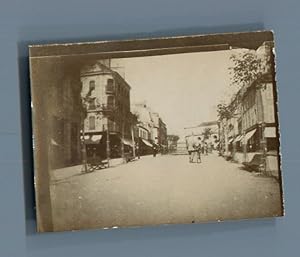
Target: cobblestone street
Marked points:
166	189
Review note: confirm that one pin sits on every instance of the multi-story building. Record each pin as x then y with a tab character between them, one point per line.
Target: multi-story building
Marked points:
163	135
152	130
257	123
252	128
106	96
145	127
159	130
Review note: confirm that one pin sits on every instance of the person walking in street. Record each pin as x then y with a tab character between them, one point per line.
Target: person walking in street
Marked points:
198	149
206	148
137	150
154	149
190	149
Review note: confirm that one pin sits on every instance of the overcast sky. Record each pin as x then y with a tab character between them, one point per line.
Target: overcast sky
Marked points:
183	88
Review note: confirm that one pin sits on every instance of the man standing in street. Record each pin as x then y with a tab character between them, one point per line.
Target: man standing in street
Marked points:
137	149
190	148
197	146
154	150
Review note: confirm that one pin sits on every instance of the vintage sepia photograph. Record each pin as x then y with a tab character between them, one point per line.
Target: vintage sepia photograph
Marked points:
155	131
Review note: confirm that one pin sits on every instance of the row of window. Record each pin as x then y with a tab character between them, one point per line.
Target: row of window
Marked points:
143	134
110	87
92	123
110	104
249	101
113	126
250	118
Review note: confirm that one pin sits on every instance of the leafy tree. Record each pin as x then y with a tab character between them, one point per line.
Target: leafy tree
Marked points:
224	111
247	67
207	133
173	138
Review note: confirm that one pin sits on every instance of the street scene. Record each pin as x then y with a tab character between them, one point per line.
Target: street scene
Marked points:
163	139
163	190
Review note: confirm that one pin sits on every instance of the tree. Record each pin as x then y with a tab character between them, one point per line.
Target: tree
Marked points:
224	111
207	133
247	67
173	138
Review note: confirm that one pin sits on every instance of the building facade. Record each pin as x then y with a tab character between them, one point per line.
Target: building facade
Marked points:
152	131
64	127
106	97
252	127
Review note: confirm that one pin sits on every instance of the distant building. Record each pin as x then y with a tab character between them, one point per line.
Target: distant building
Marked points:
159	131
172	143
208	132
152	129
163	135
144	127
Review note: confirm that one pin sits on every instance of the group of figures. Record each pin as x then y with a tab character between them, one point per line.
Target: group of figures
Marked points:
195	148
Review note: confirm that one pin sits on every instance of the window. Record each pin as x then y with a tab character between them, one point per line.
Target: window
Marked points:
110	85
92	85
92	122
92	104
110	101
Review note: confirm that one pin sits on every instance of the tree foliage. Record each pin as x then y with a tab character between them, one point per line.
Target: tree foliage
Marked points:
173	138
224	112
207	133
247	68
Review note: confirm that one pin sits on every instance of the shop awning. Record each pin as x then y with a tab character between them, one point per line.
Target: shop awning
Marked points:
127	142
238	138
249	135
147	142
270	132
92	139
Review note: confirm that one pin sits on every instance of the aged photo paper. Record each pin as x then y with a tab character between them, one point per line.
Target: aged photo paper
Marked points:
155	131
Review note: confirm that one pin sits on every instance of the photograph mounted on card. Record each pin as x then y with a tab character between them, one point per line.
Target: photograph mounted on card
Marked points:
155	131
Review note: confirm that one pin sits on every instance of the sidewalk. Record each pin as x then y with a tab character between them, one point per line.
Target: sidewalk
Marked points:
67	172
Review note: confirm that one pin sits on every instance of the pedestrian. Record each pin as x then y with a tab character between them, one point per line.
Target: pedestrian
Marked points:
198	149
137	149
206	148
154	148
190	149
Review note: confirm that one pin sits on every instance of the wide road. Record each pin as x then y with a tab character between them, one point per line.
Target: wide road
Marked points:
166	189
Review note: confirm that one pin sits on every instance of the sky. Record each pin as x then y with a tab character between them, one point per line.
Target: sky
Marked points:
183	88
